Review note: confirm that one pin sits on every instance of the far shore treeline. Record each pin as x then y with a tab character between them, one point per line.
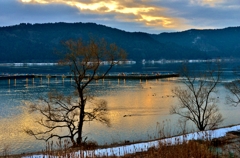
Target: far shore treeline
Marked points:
41	42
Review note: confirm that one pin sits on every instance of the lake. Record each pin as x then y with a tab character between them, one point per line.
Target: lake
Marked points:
145	103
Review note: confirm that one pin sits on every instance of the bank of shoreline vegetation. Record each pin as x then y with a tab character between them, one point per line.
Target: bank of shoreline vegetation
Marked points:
219	143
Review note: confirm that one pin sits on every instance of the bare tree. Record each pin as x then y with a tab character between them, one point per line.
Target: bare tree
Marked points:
234	88
196	99
69	112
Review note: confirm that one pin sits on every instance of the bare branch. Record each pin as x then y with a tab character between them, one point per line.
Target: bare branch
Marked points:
68	112
196	102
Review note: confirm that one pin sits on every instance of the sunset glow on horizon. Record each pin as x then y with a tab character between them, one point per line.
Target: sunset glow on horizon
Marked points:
146	14
130	15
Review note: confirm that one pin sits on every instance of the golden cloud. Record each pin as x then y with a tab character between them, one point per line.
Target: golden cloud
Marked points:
35	1
143	12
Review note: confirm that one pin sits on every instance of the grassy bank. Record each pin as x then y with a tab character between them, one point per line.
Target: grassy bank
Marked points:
207	144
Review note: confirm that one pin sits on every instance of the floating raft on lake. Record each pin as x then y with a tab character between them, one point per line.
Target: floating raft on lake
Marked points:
122	76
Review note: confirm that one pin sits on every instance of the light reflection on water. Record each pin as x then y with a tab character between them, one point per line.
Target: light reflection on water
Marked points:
136	108
12	134
144	104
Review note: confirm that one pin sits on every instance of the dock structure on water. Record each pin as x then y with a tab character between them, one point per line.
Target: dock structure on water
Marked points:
121	76
141	76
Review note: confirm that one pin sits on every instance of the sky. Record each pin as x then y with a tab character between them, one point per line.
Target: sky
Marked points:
151	16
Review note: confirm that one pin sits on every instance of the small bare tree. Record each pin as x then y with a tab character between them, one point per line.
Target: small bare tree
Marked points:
69	112
196	100
234	88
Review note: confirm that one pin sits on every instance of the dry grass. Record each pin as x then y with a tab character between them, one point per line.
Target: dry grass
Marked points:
187	149
225	147
191	149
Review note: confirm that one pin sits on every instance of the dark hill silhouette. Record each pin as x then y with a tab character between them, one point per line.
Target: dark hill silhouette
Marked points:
215	43
38	42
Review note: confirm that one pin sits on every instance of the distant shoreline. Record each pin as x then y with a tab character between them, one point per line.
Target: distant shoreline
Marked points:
160	61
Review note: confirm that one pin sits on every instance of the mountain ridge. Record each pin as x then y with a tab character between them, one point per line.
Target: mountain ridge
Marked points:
38	42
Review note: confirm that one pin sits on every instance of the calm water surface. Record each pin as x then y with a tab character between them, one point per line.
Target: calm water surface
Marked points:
146	103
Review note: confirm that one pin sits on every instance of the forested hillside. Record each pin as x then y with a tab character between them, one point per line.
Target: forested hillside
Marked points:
40	42
215	43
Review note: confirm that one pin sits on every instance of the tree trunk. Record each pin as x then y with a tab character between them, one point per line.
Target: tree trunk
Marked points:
201	127
80	127
81	118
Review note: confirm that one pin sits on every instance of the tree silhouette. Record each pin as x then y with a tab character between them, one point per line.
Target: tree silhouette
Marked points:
196	100
234	88
69	112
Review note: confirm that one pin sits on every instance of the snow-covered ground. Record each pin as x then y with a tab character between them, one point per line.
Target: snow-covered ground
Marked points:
128	149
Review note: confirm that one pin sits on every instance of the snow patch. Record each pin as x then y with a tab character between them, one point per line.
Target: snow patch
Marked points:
133	148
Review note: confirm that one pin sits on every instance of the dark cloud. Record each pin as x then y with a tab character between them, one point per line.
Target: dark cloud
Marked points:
15	13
